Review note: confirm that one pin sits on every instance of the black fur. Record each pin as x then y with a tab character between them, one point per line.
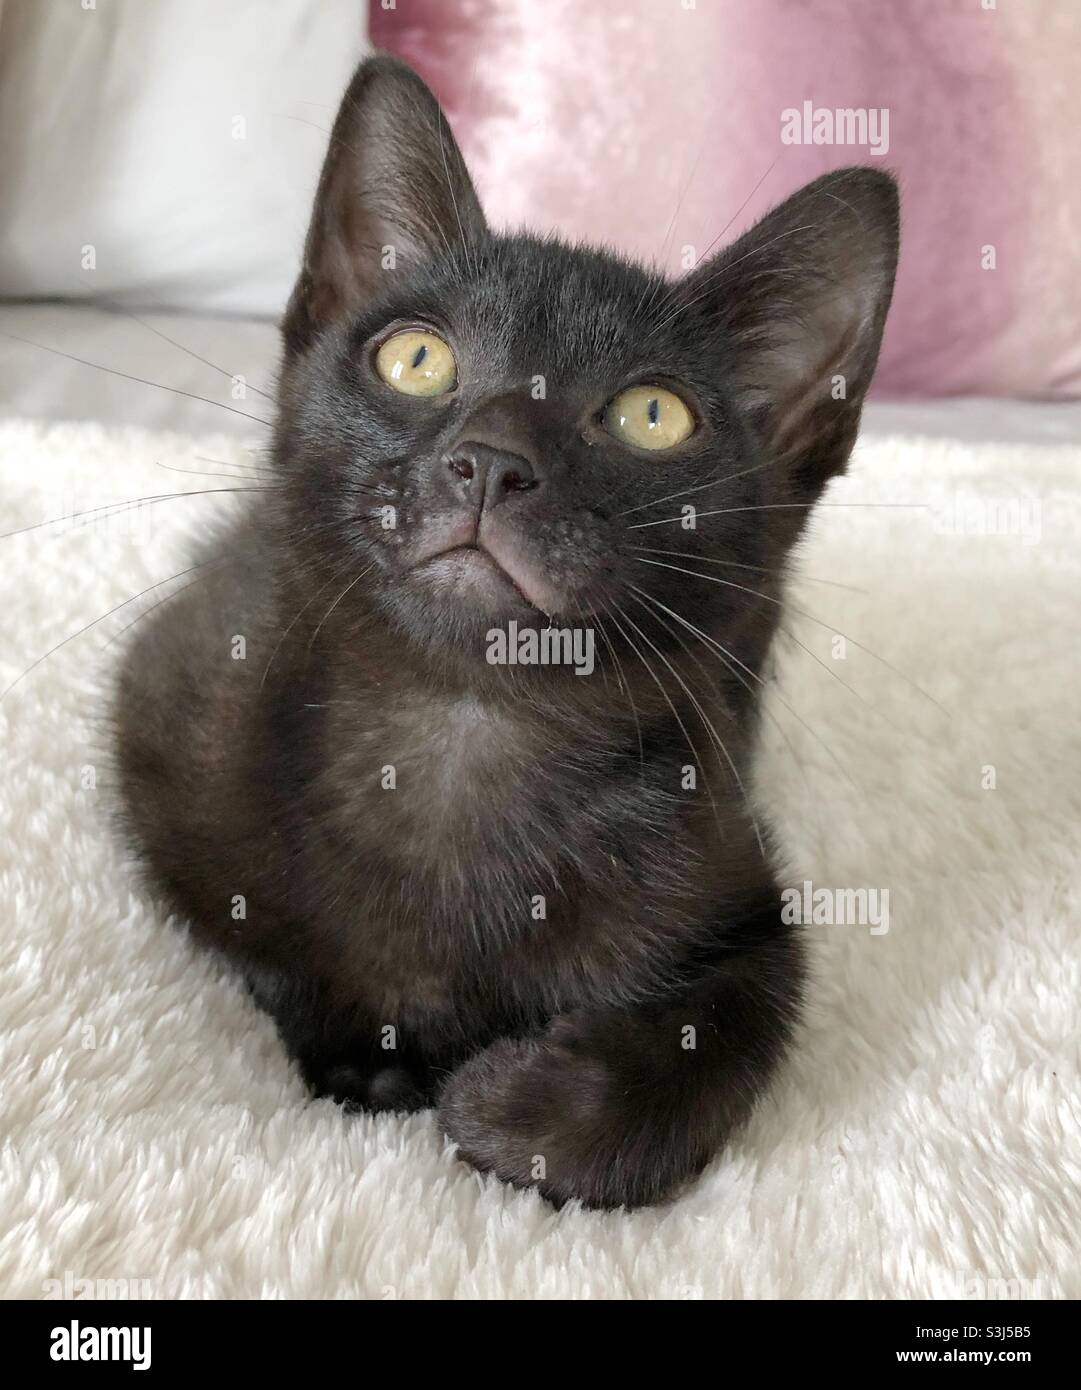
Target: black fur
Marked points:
394	933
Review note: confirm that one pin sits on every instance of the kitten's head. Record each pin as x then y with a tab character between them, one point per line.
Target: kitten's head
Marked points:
491	427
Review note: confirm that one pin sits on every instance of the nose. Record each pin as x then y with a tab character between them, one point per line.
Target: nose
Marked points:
487	477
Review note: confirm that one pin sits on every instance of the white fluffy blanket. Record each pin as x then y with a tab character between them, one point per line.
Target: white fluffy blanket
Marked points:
924	1141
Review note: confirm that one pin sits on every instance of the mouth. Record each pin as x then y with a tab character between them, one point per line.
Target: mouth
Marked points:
478	560
473	572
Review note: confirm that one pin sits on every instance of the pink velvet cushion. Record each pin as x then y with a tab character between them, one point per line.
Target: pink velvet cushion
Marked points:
664	127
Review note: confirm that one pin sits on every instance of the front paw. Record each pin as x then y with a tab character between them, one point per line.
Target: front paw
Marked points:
549	1114
392	1088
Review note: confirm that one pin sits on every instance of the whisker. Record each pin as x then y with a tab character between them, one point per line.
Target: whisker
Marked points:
726	655
711	281
738	210
625	684
685	190
652	293
243	470
787	632
131	502
718	742
673	289
72	636
699	763
760	569
120	309
784	506
722	653
146	612
351	585
450	190
255	466
303	120
583	622
644	598
127	376
690	491
668	700
337	574
830	627
715	277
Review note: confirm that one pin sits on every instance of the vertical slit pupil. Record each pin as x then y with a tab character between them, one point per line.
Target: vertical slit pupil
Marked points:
420	354
654	410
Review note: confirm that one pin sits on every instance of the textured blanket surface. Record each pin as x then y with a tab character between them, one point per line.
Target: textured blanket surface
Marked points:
925	1138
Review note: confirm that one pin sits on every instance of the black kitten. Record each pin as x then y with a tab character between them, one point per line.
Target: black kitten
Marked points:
537	901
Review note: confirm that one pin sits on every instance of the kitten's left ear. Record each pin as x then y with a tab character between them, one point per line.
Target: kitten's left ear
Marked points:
801	299
394	191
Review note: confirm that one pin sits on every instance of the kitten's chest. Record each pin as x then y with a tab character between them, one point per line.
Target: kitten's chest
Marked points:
470	846
422	781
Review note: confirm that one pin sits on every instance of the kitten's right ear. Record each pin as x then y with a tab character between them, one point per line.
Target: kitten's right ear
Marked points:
802	299
393	192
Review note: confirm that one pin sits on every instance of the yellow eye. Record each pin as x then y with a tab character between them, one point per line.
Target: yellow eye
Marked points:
417	363
649	417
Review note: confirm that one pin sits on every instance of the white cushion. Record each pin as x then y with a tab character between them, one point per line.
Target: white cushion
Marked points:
180	140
